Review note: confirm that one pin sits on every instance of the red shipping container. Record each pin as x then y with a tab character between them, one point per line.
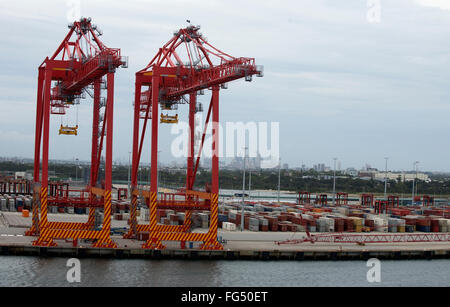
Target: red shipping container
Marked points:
411	222
296	220
424	222
160	213
349	226
370	224
434	223
272	220
339	228
143	236
283	227
339	224
282	218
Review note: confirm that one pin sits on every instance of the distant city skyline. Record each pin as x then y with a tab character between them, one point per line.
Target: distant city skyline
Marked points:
235	165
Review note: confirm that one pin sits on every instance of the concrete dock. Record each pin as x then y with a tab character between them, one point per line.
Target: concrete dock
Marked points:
239	245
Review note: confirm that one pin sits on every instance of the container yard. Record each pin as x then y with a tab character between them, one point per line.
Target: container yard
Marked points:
284	230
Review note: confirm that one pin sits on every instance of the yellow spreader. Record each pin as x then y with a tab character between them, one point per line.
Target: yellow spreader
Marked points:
67	130
168	119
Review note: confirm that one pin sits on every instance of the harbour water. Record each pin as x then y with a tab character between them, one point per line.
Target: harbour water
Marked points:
33	271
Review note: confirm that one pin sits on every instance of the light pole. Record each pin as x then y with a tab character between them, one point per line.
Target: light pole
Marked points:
334	182
417	181
279	180
243	190
140	177
413	180
76	170
249	183
385	179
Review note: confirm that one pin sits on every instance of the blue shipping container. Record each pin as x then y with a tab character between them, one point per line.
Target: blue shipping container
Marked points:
223	218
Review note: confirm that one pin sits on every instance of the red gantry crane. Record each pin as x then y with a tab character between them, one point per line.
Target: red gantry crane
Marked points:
183	68
77	67
341	199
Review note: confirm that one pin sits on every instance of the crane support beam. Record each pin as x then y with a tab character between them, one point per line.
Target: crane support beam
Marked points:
84	74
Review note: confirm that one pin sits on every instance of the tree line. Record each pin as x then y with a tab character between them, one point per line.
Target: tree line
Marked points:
291	180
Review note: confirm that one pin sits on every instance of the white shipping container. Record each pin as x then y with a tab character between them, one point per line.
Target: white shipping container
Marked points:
229	226
253	227
12	207
381	229
254	222
3	204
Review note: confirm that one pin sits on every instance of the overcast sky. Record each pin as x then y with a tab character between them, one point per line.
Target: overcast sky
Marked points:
340	85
